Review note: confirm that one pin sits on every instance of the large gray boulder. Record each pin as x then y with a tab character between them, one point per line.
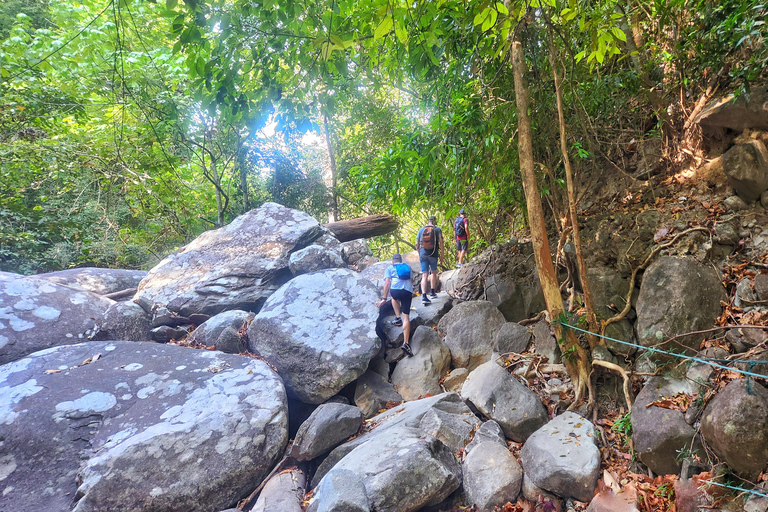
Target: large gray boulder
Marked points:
562	457
342	490
469	330
404	471
500	397
746	166
124	321
355	250
373	393
283	492
659	433
444	416
488	431
735	426
737	113
313	258
101	281
318	330
420	375
375	273
678	296
36	314
511	338
438	307
327	427
234	267
137	427
226	331
492	476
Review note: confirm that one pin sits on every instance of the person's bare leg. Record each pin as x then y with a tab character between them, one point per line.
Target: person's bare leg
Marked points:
406	328
424	278
435	281
461	257
396	307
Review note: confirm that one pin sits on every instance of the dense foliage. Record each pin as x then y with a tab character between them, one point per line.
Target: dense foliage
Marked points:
127	127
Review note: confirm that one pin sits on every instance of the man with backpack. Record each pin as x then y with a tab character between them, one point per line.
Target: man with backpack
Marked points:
430	244
461	230
397	282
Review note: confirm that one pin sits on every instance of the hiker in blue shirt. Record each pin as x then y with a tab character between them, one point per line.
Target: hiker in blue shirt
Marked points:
397	282
430	244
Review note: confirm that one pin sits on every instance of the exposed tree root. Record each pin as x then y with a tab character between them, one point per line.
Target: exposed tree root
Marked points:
624	375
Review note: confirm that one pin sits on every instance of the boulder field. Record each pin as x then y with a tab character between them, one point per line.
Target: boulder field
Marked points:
185	398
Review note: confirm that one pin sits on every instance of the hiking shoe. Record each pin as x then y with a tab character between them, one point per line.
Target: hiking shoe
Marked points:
407	349
425	300
433	294
458	265
397	322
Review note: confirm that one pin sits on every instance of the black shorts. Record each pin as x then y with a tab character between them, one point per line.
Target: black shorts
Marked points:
461	245
404	298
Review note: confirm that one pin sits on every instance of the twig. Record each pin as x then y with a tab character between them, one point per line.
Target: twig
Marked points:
244	503
621	371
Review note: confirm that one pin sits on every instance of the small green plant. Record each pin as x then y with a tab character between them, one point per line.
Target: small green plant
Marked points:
623	425
570	354
666	491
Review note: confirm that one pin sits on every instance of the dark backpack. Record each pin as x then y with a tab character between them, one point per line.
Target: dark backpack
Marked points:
428	238
403	271
458	227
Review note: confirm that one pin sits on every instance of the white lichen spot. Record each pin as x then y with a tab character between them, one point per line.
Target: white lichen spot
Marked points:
109	348
121	385
8	490
98	401
12	395
157	491
69	335
78	298
3	341
25	305
127	396
145	392
47	313
63	367
7	466
18	324
133	367
182	367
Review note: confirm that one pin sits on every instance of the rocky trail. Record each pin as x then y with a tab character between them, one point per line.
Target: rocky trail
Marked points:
252	369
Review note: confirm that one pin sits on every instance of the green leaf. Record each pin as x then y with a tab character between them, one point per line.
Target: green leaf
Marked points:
619	34
171	4
383	29
490	21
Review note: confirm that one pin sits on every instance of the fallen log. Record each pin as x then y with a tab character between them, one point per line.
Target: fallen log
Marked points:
362	227
122	294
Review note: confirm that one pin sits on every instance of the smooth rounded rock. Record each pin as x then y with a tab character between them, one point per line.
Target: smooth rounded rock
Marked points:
562	457
137	427
499	396
318	330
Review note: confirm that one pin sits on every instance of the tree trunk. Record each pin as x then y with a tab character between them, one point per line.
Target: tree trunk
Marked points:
574	356
217	191
362	227
594	326
334	194
241	167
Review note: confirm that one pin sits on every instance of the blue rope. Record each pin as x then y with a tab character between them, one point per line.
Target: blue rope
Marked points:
666	352
741	489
